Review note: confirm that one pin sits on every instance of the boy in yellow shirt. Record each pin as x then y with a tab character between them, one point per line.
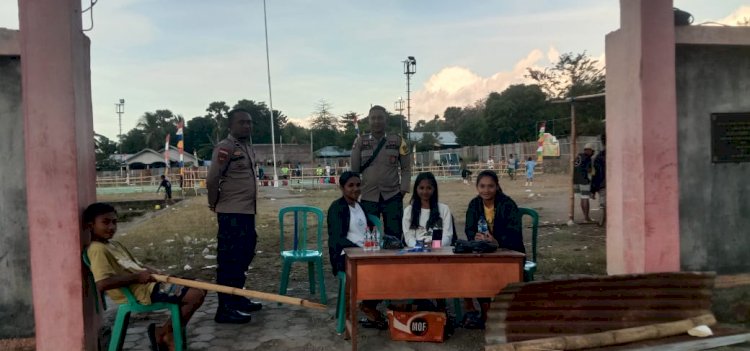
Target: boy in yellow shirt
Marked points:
114	267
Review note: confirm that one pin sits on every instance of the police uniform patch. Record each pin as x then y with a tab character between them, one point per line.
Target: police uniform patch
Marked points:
403	150
223	155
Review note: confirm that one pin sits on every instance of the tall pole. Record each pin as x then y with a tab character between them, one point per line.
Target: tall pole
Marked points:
120	109
270	99
399	106
573	154
410	67
573	138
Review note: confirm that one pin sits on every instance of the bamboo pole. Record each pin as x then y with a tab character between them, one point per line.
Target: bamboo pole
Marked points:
608	338
236	291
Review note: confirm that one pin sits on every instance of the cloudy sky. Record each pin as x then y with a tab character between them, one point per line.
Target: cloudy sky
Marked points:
182	55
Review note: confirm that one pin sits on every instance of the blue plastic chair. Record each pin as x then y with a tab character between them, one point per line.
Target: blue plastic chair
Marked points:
529	267
120	328
300	251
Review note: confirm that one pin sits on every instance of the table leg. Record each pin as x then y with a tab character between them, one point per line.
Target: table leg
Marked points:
353	310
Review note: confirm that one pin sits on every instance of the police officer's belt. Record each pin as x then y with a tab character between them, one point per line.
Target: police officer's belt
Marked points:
374	154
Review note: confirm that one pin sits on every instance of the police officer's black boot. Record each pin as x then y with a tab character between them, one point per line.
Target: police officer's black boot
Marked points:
244	305
226	314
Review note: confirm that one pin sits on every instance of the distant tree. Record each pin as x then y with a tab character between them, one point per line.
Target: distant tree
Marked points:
217	112
104	149
199	132
434	125
429	142
155	126
133	141
574	75
512	115
324	126
473	128
294	134
453	117
347	129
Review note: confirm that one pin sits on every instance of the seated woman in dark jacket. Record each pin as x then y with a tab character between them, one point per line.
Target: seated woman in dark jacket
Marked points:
503	220
347	223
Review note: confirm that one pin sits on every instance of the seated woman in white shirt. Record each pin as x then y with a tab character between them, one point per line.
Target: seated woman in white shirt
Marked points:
425	212
347	223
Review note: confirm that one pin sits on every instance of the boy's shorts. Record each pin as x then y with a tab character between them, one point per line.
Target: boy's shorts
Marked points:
169	293
582	191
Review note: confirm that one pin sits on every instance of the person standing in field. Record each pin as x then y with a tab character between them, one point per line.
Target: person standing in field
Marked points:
232	194
384	164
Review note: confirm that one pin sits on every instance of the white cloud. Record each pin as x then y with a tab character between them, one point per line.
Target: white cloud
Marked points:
740	15
459	86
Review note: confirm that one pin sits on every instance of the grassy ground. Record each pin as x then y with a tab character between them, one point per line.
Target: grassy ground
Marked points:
181	239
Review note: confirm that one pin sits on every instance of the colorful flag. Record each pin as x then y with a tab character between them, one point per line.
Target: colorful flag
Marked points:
540	143
180	142
166	154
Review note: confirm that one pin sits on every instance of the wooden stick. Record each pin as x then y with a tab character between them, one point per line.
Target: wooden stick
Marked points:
240	292
608	338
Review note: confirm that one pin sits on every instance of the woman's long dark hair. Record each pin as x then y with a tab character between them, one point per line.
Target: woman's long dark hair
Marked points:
416	203
493	175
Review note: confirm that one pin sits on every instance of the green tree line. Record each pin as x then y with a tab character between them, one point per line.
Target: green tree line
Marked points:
512	115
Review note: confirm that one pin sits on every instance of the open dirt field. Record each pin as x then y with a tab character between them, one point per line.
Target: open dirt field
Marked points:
181	239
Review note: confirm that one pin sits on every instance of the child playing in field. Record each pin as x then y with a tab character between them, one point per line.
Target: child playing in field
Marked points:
530	164
114	267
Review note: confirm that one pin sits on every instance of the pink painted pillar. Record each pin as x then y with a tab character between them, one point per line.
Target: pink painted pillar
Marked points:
60	174
642	187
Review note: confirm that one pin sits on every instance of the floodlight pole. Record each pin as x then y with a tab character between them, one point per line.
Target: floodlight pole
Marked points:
410	67
120	109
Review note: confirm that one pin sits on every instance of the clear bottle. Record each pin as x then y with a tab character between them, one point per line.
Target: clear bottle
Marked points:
368	240
375	239
482	226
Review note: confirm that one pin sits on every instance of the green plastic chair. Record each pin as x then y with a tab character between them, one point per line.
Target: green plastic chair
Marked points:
133	306
529	268
300	251
341	301
377	222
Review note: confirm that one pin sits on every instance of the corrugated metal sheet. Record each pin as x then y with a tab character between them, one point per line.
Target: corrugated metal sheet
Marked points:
590	305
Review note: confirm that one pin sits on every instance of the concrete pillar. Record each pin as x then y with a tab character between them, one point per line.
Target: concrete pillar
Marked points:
60	173
15	267
642	187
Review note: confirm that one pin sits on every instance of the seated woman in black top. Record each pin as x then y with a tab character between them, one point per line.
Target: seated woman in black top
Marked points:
503	220
347	223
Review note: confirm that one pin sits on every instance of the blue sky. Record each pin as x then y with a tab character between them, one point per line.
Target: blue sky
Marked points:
182	55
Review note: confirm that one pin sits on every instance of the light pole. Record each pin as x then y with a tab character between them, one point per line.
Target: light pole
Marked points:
399	106
410	67
270	100
120	109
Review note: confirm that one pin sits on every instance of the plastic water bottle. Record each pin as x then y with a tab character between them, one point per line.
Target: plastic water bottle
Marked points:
368	240
482	226
375	239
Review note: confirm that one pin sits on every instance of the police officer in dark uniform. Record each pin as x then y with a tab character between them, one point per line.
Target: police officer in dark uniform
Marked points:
232	194
384	163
